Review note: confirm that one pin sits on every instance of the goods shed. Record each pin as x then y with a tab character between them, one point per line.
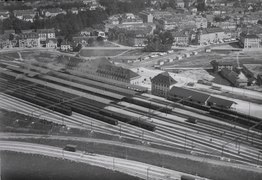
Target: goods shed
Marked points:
219	102
189	95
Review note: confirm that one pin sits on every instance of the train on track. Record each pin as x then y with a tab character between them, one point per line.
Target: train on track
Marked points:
225	114
139	122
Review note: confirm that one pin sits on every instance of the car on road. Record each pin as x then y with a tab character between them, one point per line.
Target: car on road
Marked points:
70	147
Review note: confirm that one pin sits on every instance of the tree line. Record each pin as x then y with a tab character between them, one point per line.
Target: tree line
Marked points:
65	25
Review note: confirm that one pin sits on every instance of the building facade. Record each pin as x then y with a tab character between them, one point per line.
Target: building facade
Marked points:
210	35
160	84
248	41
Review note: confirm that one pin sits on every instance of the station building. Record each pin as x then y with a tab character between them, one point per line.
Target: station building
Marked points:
160	84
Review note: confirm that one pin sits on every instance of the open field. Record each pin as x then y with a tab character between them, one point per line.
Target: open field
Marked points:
18	166
165	159
98	52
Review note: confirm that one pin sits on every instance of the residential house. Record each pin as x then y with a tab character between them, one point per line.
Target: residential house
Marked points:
168	24
181	38
51	43
193	10
52	12
114	19
81	40
138	40
28	14
90	2
4	41
28	18
180	3
210	35
201	22
87	32
230	24
259	79
219	65
161	83
9	31
65	46
248	41
74	10
219	11
189	3
130	27
248	73
28	40
250	19
45	34
180	21
128	20
233	78
4	14
146	16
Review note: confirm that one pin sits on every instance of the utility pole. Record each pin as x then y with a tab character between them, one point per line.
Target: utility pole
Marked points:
120	131
147	173
113	163
185	140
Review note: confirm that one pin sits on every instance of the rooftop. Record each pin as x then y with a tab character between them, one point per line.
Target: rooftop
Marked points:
188	94
249	36
163	78
212	30
220	102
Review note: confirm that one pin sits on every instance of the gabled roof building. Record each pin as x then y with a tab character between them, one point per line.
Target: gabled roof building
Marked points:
160	84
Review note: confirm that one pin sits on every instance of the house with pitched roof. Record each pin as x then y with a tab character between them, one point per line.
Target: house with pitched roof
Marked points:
233	78
51	43
52	12
110	71
160	84
181	38
219	65
26	15
29	39
248	41
210	35
66	46
4	14
4	41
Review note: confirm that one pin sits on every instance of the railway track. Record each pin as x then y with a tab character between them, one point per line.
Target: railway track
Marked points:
211	144
171	130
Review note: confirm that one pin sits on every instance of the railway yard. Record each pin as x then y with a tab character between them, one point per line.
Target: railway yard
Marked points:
129	111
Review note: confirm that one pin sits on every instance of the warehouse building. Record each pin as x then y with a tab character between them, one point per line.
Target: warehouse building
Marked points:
198	98
188	95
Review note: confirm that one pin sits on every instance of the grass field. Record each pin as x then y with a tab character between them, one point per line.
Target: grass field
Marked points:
202	168
98	52
18	166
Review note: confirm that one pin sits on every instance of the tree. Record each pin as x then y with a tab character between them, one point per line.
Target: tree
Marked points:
159	42
172	4
90	41
100	40
77	48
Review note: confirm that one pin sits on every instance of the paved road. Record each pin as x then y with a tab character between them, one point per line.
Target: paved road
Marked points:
16	136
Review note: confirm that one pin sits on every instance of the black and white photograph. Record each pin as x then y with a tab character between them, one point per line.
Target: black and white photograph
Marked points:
130	89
